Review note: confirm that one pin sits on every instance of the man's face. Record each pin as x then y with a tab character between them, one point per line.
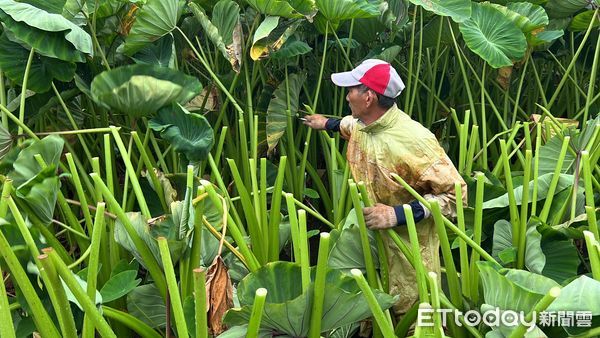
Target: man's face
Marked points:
358	101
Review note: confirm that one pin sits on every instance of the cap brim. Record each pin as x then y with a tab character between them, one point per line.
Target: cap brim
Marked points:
344	79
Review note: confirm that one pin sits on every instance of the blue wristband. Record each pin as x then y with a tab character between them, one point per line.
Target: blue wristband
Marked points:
417	210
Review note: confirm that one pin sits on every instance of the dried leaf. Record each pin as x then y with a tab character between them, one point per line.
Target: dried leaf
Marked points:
212	101
504	75
219	295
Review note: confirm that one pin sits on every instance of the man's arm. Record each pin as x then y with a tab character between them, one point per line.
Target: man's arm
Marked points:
320	122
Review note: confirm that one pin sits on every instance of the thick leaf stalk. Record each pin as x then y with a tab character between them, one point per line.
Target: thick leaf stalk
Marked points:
173	288
257	311
540	306
319	287
93	264
364	237
593	249
463	253
384	325
200	303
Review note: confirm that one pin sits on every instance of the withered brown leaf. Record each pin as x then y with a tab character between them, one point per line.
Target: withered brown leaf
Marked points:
219	295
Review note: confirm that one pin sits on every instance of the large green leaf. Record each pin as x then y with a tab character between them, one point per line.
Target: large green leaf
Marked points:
143	89
26	167
40	193
525	15
277	113
564	8
493	36
287	309
511	289
336	11
119	285
275	7
564	181
6	141
458	10
188	133
581	294
50	6
50	34
231	49
161	53
562	260
43	69
549	153
535	259
154	20
290	49
270	35
347	253
146	304
582	21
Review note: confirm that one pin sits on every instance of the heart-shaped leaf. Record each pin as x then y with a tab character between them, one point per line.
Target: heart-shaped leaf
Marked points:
188	133
493	36
154	20
119	285
458	10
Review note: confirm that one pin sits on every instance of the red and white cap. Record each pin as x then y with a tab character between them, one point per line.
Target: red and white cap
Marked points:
376	74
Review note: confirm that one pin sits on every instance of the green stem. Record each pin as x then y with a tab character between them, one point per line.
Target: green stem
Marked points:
304	251
93	264
86	303
524	206
540	306
593	253
173	288
385	326
7	329
319	287
364	237
200	303
24	90
557	170
257	311
131	322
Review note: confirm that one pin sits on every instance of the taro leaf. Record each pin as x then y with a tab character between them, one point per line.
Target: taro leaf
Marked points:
40	193
345	331
146	304
528	17
389	54
275	8
168	226
337	10
50	34
143	89
565	181
287	309
431	29
241	330
119	285
347	254
124	265
270	36
188	133
161	53
549	153
534	256
278	113
493	36
203	103
458	10
581	294
139	223
225	17
291	49
83	284
582	21
231	51
511	289
219	295
26	167
545	38
564	8
307	8
154	20
43	69
5	142
50	6
562	260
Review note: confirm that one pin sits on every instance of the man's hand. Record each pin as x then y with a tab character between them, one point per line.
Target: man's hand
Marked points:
380	217
315	121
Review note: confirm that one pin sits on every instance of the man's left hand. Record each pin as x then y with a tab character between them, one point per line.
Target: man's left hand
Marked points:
380	216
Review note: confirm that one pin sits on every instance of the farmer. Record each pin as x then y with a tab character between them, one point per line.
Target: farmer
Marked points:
383	140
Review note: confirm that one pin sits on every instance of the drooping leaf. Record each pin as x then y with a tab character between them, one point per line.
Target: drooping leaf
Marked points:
287	309
493	36
562	260
26	167
161	53
231	51
270	35
582	21
564	8
119	285
40	193
225	16
146	304
278	112
188	133
142	89
458	10
43	69
564	182
154	20
50	34
219	295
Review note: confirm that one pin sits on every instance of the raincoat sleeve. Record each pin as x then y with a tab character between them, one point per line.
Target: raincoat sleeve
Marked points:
437	182
346	126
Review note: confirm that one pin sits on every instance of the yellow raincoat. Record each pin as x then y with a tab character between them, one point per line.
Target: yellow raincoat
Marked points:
397	144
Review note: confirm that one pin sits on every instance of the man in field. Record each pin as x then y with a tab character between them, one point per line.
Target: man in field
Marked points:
383	140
